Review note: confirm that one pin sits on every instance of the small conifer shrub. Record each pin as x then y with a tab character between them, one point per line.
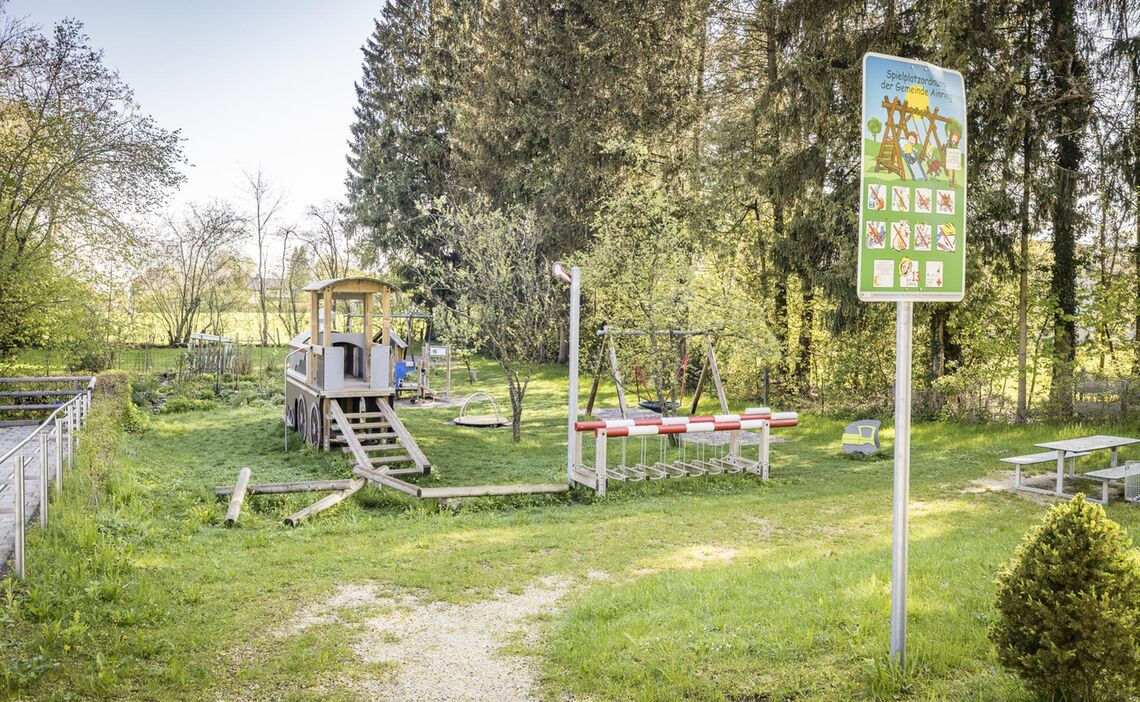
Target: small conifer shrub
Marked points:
1069	607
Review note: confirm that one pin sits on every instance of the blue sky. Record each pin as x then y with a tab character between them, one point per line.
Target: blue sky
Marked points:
247	81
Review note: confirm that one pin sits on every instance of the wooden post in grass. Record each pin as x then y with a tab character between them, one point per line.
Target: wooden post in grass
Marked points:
324	503
238	497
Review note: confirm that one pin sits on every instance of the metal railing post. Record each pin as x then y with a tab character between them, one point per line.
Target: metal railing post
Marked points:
69	420
18	546
58	454
45	486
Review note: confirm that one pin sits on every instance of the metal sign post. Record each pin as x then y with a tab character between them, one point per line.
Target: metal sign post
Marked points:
904	321
912	237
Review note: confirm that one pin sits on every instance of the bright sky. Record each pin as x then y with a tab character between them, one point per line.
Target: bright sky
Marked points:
248	82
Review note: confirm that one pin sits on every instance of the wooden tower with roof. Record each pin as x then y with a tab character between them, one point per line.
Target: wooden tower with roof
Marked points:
339	378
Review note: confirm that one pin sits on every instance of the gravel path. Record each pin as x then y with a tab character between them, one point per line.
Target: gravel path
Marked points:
446	652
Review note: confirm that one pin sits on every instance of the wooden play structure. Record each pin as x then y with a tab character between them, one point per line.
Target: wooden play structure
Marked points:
339	384
897	125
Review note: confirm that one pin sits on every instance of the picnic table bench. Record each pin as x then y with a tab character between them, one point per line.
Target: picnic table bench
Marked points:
1106	475
1069	450
1033	459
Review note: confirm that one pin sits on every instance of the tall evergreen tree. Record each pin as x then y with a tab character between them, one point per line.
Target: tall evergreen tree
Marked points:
400	160
1071	100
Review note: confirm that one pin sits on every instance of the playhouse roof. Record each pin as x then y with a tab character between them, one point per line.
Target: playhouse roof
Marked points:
356	284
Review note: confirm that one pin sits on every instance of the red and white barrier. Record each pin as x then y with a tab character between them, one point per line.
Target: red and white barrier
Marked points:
751	413
758	418
781	419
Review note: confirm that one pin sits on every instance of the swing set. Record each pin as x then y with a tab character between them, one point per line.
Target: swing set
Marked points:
896	128
608	350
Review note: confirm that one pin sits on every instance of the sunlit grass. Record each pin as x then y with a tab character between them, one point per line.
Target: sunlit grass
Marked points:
712	589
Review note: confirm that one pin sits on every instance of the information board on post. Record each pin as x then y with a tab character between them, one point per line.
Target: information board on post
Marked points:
912	238
912	215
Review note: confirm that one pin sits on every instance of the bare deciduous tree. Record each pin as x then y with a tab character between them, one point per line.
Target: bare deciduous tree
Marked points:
292	277
267	202
327	239
188	260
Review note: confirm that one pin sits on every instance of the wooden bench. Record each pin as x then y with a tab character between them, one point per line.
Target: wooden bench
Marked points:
1033	459
1106	475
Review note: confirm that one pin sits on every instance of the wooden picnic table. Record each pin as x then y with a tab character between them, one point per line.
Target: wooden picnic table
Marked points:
1085	444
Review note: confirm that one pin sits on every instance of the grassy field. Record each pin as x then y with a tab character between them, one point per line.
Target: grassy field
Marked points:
716	588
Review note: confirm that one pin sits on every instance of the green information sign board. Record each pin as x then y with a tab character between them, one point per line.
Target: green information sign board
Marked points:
912	213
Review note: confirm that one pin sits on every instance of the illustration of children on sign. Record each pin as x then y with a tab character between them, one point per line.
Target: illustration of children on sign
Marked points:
900	235
876	235
912	154
876	196
922	237
908	273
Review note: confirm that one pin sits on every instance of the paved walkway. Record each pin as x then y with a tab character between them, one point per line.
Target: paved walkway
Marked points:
10	437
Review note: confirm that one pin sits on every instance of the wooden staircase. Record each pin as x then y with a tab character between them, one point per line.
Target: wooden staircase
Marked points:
378	440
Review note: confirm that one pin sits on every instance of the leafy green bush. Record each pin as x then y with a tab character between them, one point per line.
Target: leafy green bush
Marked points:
1069	607
144	390
182	403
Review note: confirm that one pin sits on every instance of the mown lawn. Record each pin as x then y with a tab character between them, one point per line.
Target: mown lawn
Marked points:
714	588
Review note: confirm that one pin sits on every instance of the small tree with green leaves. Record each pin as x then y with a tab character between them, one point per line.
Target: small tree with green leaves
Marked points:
874	126
495	279
1069	607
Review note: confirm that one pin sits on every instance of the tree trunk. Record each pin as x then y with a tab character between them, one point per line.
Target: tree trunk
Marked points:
807	318
1070	120
1023	274
780	323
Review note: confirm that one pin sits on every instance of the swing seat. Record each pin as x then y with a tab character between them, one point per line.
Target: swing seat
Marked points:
653	406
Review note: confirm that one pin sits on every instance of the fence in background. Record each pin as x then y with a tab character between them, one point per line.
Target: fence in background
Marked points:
43	453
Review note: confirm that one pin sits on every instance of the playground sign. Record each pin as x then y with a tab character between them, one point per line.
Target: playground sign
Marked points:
912	212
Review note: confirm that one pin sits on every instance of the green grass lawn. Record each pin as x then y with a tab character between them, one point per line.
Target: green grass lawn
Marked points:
717	588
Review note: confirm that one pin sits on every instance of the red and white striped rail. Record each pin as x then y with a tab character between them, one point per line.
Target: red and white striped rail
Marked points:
690	425
750	413
780	419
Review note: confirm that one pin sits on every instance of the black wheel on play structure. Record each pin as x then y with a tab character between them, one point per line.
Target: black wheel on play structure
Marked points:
299	413
289	417
314	424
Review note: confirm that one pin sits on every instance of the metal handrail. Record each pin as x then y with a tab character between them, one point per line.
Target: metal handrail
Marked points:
51	417
72	414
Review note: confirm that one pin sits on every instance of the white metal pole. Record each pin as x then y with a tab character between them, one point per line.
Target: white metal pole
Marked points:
572	408
58	454
45	481
904	320
18	527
